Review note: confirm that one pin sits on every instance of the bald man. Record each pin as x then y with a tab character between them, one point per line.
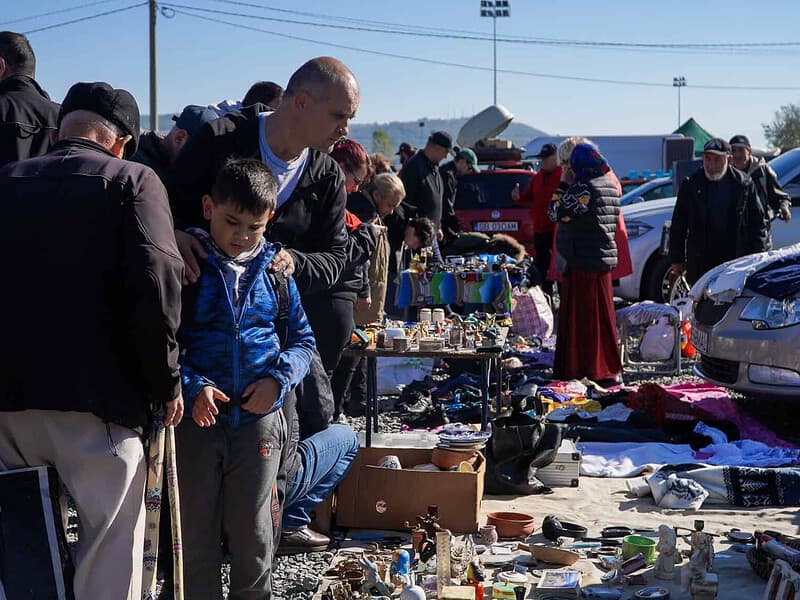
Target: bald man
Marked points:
293	141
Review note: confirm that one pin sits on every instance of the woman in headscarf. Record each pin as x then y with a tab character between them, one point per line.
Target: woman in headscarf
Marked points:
586	207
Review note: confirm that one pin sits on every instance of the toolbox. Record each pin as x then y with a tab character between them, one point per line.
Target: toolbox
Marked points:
565	470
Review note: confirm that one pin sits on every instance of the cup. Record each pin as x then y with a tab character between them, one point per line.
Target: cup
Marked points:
424	314
487	535
438	315
454	336
390	461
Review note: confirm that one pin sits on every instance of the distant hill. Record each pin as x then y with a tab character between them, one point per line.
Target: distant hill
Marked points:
410	131
398	131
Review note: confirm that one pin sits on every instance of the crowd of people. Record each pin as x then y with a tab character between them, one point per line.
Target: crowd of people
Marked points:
220	270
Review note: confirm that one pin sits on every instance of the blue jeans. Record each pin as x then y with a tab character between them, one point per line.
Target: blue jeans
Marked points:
326	457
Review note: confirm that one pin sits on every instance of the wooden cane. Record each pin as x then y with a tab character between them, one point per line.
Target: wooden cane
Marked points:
152	503
175	514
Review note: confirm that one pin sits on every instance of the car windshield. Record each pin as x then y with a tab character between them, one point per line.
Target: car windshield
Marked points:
489	190
785	162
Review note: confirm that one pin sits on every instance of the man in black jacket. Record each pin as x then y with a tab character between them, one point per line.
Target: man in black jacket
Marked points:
717	216
27	115
293	141
774	201
89	326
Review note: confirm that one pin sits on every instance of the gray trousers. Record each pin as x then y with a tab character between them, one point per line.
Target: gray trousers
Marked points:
227	480
103	468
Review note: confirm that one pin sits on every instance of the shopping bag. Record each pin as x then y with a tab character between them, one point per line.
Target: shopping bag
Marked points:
531	313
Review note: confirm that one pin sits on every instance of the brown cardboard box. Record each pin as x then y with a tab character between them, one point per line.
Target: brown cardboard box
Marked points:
379	498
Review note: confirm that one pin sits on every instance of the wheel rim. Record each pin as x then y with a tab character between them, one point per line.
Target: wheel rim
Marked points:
673	286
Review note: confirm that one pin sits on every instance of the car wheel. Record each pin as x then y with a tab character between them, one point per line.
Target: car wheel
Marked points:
657	284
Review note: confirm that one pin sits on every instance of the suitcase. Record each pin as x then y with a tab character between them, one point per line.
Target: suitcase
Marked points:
565	470
35	562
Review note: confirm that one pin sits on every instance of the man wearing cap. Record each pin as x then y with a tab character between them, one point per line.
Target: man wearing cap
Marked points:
27	115
405	152
464	162
537	194
717	217
89	326
158	152
423	183
775	202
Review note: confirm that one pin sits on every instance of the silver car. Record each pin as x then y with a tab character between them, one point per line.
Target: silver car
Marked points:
746	340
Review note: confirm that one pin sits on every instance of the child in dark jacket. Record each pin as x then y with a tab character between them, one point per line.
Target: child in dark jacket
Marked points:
236	371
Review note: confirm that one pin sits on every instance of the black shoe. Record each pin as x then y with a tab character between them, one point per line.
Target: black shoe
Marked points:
416	402
434	417
302	541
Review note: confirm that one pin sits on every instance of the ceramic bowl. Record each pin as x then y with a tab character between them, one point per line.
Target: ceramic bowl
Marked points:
635	544
510	524
447	459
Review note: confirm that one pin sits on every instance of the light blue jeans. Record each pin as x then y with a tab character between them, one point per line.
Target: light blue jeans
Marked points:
326	457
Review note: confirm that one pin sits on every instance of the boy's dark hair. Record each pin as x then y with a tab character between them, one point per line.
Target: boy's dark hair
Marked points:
16	50
247	184
264	92
423	229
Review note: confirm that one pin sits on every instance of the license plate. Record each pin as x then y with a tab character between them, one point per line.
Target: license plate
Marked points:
700	340
496	226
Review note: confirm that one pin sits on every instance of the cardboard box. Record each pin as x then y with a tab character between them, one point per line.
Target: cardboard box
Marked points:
565	470
379	498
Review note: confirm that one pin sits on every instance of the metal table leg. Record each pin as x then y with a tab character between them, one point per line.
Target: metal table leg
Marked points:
499	374
484	392
368	407
374	368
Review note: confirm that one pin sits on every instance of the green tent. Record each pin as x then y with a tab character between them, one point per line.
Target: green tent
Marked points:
692	129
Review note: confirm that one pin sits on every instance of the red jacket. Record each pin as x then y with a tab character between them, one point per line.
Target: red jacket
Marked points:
537	194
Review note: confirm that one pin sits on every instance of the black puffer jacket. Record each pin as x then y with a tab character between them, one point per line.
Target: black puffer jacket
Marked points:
586	214
310	224
690	240
27	118
90	321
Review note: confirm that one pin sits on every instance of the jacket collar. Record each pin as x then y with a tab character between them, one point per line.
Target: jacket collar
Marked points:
80	143
21	82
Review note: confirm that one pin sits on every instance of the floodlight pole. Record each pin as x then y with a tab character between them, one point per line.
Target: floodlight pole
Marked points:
679	82
494	9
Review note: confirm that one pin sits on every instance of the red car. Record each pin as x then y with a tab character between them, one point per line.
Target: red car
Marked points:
483	203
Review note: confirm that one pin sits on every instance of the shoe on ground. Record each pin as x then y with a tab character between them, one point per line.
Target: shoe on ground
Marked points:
302	541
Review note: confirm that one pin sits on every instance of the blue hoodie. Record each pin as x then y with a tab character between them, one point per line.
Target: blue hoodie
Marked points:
229	347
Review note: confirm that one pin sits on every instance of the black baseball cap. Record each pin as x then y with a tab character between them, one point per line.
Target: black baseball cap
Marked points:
405	147
717	146
547	151
117	106
193	117
441	138
740	140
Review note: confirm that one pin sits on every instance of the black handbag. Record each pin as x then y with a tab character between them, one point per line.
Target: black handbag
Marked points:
519	446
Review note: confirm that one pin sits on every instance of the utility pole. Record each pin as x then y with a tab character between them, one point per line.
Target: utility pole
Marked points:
679	82
153	77
494	9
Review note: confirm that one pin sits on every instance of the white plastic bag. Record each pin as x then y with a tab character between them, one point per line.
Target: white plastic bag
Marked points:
658	341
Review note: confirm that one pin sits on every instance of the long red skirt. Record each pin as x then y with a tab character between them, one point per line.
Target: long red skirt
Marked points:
586	345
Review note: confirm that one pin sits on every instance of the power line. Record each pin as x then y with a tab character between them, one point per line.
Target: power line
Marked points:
87	18
401	29
177	10
58	12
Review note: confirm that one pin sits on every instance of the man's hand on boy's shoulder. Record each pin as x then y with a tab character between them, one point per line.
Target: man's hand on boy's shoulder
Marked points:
261	396
282	262
191	249
204	408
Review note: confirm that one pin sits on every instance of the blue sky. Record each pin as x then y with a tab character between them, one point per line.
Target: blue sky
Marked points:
202	62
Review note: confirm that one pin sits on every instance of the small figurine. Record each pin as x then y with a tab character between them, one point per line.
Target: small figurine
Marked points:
664	567
401	564
702	558
373	580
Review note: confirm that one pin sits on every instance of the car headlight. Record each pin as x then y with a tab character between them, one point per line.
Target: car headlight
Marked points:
771	313
637	228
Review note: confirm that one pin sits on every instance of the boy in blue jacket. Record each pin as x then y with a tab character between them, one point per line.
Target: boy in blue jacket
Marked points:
246	343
